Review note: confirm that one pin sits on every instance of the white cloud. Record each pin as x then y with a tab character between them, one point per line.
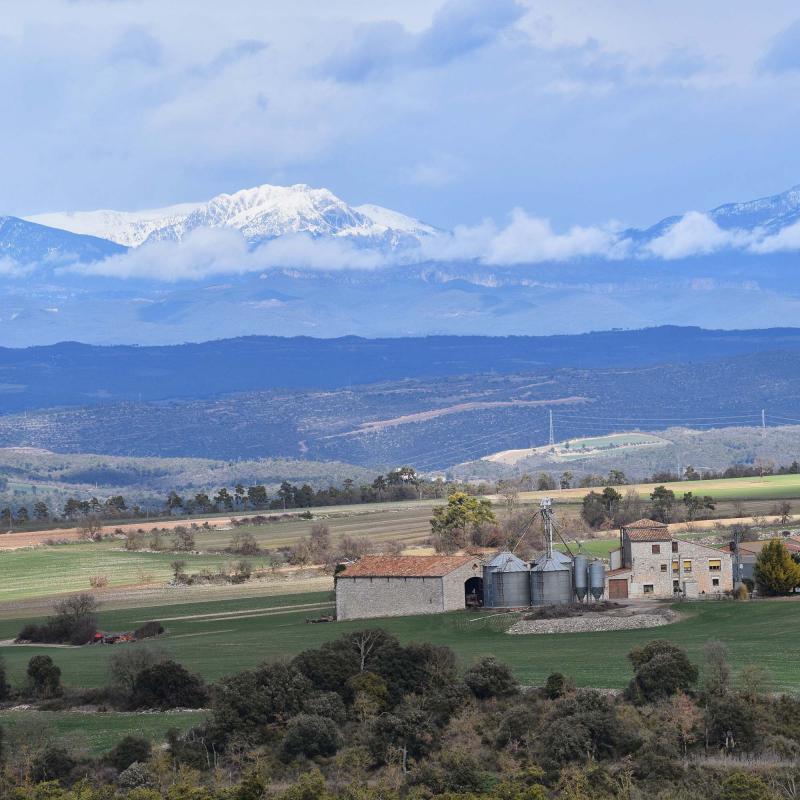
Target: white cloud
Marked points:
224	251
694	234
787	238
530	240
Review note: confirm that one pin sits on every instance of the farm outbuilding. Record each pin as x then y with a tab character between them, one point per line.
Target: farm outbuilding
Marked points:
394	586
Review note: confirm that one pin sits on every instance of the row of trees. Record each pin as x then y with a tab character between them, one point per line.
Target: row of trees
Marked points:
611	508
363	716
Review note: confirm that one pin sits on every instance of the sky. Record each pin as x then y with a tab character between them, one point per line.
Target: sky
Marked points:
596	113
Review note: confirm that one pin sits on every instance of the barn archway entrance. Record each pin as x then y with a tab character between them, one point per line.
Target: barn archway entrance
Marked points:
473	593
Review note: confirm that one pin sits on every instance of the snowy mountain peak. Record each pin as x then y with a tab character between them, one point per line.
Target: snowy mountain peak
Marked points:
771	212
261	212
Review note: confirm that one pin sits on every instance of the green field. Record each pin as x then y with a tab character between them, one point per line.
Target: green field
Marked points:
235	634
95	733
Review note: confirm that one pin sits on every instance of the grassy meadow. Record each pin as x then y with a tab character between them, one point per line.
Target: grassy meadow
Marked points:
215	638
95	733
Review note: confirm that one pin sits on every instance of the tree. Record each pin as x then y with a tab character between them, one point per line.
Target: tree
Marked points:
174	502
545	482
168	684
661	669
5	689
617	477
565	481
183	539
696	504
451	523
44	678
593	510
379	485
489	678
717	674
248	703
257	496
662	501
776	572
23	517
224	499
125	664
319	542
40	510
611	499
310	735
128	750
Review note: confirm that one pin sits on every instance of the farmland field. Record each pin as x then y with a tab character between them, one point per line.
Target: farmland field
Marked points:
97	733
216	638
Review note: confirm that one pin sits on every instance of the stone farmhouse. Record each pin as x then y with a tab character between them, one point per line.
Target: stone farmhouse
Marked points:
650	563
394	586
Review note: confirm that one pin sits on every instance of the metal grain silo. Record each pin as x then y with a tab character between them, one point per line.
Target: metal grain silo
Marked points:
509	582
581	576
597	579
551	583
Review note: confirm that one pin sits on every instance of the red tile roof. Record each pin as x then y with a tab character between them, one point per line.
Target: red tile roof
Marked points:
649	524
405	566
647	530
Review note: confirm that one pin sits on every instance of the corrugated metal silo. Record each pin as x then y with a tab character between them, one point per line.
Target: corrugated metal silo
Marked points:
551	583
597	579
509	580
581	577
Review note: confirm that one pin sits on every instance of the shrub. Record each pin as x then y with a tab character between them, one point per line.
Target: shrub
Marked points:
731	723
743	786
44	678
490	678
556	686
127	751
149	630
168	685
52	764
741	592
98	581
310	735
137	776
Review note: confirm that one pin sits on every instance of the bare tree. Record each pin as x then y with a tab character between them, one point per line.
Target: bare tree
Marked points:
125	664
91	528
364	643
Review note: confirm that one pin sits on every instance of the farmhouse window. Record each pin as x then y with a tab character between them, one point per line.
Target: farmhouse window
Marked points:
674	547
687	566
676	567
715	581
715	565
656	549
648	588
663	567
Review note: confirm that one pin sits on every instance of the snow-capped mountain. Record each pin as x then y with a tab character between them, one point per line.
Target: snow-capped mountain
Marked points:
128	228
27	243
263	212
771	213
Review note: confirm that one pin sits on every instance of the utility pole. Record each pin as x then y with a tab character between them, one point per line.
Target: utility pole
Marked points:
552	437
763	420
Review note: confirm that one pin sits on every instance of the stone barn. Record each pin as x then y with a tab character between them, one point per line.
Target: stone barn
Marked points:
394	586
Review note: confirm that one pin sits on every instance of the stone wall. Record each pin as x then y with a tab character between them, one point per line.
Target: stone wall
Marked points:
359	598
656	569
454	584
